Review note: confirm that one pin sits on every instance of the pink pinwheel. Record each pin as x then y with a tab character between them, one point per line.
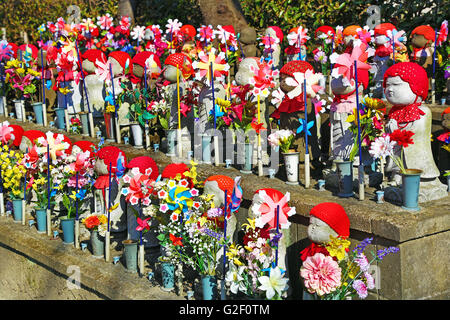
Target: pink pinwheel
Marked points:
267	211
81	163
344	63
298	36
142	224
125	23
5	50
220	67
443	33
268	41
312	83
105	22
138	33
141	187
30	159
5	132
206	33
263	78
173	26
365	35
224	36
398	36
103	70
56	145
277	97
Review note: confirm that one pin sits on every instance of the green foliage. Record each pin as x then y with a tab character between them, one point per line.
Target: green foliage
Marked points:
28	15
150	12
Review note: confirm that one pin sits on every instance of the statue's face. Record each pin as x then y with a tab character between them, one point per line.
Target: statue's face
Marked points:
270	32
170	74
381	39
244	74
25	144
248	36
339	86
398	92
319	232
138	70
418	41
211	187
256	202
116	67
76	150
283	85
100	167
348	40
88	66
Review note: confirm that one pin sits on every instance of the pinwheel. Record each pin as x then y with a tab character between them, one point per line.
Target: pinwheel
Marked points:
268	41
140	189
305	127
206	33
396	37
56	146
5	50
105	22
138	33
220	66
344	63
263	78
179	199
142	224
312	83
267	211
217	111
236	196
277	97
298	36
365	35
102	70
5	132
443	33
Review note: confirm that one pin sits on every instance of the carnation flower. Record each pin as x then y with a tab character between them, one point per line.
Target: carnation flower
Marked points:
321	273
361	288
362	262
382	147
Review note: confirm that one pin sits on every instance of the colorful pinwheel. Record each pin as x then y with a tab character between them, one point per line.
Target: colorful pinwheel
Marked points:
140	187
219	65
56	145
305	127
267	211
179	199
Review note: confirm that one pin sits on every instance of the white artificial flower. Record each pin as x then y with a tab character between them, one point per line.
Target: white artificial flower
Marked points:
273	284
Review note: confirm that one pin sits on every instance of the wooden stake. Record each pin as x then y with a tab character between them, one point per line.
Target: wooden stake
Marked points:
49	223
307	171
107	246
2	204
77	234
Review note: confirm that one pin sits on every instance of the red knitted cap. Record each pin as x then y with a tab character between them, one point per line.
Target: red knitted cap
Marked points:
121	57
181	61
110	154
296	66
224	183
85	146
171	170
188	30
324	29
351	30
141	57
14	48
382	29
229	28
143	163
333	214
412	73
93	55
424	30
278	32
18	133
33	135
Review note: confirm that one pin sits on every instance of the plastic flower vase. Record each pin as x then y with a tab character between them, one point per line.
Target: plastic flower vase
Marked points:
209	287
38	112
130	254
2	105
17	209
168	275
84	123
137	132
97	244
248	157
206	149
41	218
291	160
60	118
109	126
171	136
410	189
345	174
68	229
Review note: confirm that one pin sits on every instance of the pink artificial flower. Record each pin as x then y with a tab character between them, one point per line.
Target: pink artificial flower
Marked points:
362	262
163	208
369	280
5	132
194	192
361	288
205	33
321	274
174	217
142	224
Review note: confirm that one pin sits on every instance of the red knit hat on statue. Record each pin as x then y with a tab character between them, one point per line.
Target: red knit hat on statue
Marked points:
16	134
123	59
111	154
144	163
33	48
324	29
33	135
171	170
224	183
278	32
295	66
141	59
412	73
14	48
426	31
334	215
181	61
93	55
189	31
85	145
383	28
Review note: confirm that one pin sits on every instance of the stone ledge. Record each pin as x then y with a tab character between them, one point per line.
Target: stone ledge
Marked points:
384	220
106	279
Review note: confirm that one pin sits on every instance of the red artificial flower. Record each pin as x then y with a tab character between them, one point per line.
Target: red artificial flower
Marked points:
92	222
258	127
402	137
176	241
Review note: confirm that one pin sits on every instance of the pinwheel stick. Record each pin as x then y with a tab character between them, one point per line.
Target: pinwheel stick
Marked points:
91	118
44	106
179	145
433	79
118	137
66	111
361	166
307	168
276	235
141	246
77	221
107	234
49	224
2	201
260	164
331	67
147	133
222	292
216	138
24	198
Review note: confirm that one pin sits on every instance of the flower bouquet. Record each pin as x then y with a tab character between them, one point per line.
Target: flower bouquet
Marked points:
12	171
341	275
96	222
282	139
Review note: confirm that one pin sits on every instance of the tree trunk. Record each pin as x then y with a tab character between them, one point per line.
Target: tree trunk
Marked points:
222	12
127	8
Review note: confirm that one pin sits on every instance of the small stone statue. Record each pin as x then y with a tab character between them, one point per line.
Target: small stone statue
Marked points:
264	207
94	85
406	87
248	42
422	41
29	138
274	32
350	34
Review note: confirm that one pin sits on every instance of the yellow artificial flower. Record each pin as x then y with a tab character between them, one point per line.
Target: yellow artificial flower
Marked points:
171	184
354	116
33	72
337	247
249	225
110	108
202	221
352	270
64	91
114	207
103	219
20	70
446	147
223	104
73	196
232	251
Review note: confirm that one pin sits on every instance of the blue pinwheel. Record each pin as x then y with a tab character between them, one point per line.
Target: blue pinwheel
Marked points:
48	84
180	199
109	99
216	111
236	197
120	169
303	127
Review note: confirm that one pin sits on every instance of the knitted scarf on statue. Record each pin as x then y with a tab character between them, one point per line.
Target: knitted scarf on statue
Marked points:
406	114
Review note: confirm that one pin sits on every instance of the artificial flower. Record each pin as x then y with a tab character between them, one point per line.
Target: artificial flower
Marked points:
274	284
322	275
